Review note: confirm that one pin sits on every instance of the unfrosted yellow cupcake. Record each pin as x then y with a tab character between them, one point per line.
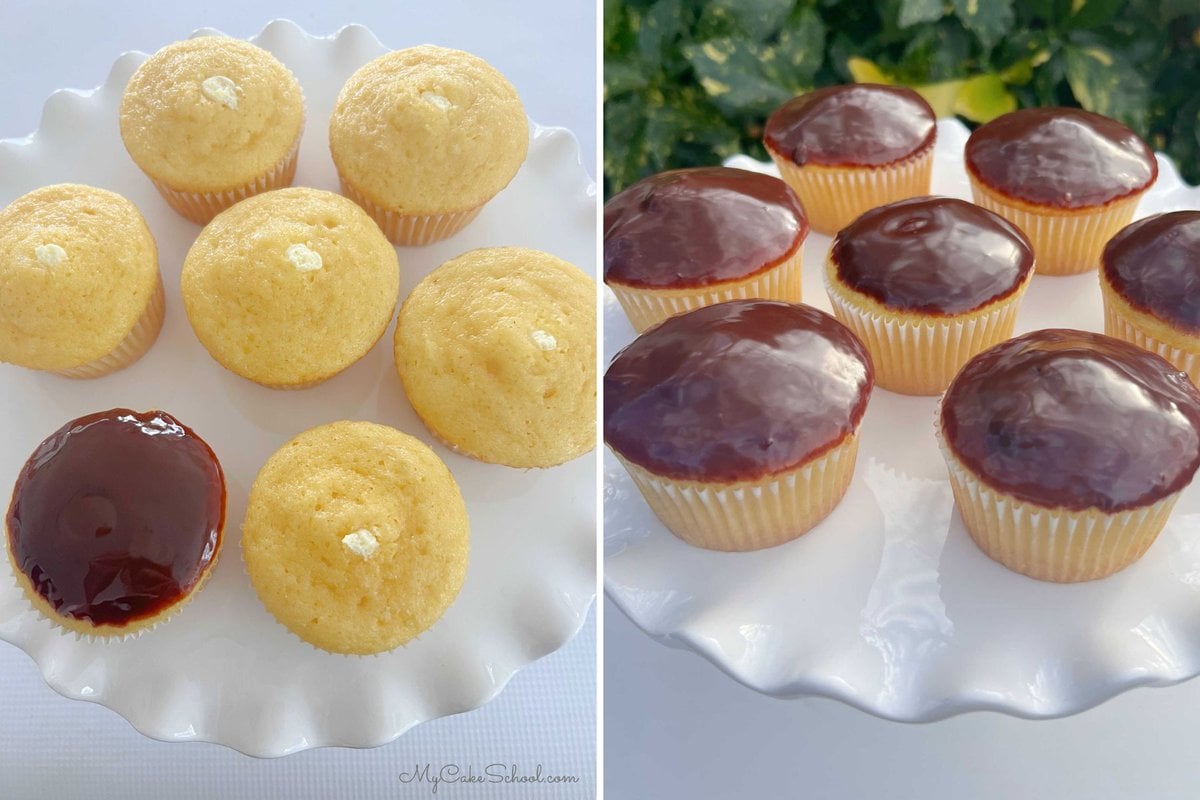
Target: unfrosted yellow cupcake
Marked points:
80	291
290	287
213	120
422	138
356	537
497	353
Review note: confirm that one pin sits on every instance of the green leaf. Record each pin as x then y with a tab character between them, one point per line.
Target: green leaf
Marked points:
732	72
990	20
864	71
913	12
1109	86
622	77
1093	13
625	158
984	98
658	28
757	19
800	51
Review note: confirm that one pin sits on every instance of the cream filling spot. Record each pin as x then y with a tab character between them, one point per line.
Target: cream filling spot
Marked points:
361	542
49	255
543	340
304	258
221	90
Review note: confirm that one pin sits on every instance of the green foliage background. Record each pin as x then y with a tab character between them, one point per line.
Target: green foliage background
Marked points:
689	82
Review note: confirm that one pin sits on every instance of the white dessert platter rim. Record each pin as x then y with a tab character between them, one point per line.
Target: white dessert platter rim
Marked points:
888	605
223	670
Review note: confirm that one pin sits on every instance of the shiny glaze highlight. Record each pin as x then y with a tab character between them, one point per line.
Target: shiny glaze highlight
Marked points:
693	227
1078	420
932	255
736	391
1060	157
1154	264
862	124
117	515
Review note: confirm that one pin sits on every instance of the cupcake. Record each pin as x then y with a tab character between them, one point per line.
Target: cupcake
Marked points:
355	537
212	120
290	287
497	353
693	237
927	283
80	291
739	421
1067	451
116	521
422	138
1149	277
845	149
1068	178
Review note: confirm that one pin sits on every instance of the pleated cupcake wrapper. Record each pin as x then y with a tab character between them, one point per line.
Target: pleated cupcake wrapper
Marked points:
1064	242
920	356
648	307
750	515
1053	544
411	230
201	207
133	346
46	612
833	197
1121	321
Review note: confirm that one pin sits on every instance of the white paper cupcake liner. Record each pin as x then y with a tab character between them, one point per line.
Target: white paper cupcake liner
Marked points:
920	354
1052	544
201	207
1120	321
1065	242
648	307
411	230
133	346
833	197
750	515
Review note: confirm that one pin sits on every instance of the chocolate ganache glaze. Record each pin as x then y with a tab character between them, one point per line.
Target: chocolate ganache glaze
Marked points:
1077	420
1155	265
736	391
1062	157
863	124
693	227
932	255
117	515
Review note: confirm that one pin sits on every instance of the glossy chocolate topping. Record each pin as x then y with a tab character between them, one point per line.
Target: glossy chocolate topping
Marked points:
863	124
932	255
1079	420
117	515
693	227
1155	265
736	391
1062	157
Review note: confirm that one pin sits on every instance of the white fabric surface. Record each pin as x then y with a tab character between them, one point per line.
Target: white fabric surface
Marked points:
57	748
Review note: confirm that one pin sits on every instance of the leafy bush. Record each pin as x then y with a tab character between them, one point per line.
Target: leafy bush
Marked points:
690	82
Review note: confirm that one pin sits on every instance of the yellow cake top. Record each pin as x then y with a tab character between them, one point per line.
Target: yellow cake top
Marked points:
428	130
356	537
497	352
77	268
210	114
290	287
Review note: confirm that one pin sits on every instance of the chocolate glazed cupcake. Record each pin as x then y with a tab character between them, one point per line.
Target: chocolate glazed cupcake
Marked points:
739	421
1067	451
1149	276
845	149
1068	178
116	521
927	283
688	238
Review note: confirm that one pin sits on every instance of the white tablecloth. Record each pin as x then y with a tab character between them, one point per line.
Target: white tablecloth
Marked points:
51	747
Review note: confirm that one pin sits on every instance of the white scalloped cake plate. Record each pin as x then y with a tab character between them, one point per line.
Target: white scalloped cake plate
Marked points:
223	670
888	605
